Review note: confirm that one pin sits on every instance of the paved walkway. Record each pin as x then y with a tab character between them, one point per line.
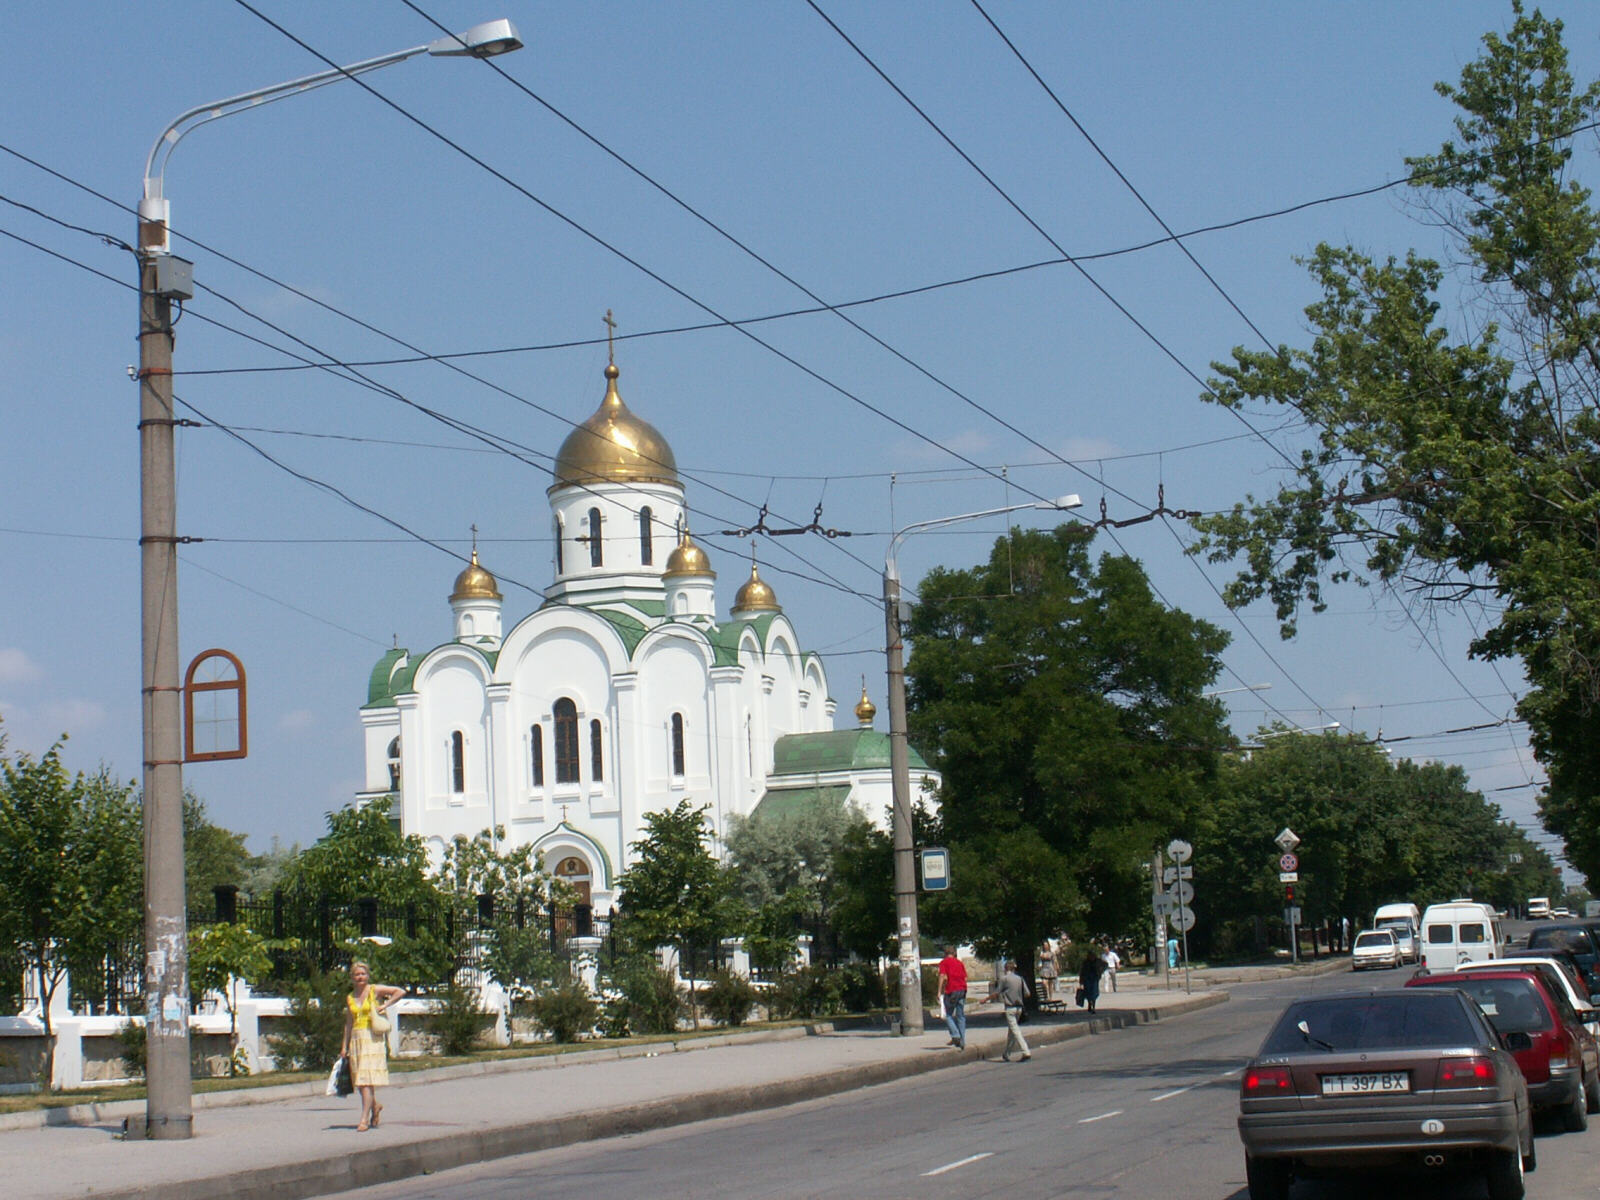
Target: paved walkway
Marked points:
289	1142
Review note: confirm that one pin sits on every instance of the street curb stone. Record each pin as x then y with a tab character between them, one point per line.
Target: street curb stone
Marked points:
387	1164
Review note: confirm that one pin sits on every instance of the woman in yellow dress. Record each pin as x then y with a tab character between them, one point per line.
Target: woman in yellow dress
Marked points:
367	1051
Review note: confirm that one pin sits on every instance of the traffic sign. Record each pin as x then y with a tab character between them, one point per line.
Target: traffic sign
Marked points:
1291	915
1163	904
1288	876
1183	919
1287	840
1183	890
1288	863
1173	874
1179	850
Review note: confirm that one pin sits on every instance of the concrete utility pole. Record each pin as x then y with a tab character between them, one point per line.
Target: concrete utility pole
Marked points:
905	866
168	1107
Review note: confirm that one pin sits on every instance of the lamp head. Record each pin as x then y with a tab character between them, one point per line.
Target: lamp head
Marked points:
1062	503
481	41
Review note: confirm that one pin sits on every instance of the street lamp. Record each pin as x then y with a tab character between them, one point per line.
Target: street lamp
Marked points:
905	871
164	278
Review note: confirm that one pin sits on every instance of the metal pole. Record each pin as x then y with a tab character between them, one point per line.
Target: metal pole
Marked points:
905	874
1156	889
168	1106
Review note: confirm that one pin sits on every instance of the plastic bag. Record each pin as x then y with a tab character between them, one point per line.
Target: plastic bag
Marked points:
333	1079
343	1084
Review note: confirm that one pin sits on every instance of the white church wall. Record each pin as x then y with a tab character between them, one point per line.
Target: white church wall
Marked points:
451	685
674	677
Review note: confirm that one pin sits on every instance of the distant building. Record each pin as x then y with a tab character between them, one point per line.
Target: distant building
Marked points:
622	694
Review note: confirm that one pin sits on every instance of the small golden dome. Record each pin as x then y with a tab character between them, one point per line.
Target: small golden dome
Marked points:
614	446
687	559
475	583
866	709
755	595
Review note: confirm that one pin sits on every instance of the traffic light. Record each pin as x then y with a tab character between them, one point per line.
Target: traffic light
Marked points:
1288	892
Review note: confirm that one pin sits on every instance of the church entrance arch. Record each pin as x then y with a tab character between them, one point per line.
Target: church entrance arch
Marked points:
578	918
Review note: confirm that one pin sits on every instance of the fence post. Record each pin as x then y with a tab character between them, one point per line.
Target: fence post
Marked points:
277	913
226	897
486	908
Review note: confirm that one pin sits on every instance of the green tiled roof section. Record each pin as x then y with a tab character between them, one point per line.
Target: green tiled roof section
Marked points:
630	629
401	681
835	750
724	641
760	621
780	803
379	694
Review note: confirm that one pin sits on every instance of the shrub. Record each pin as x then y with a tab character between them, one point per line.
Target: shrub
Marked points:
135	1048
728	998
565	1010
930	985
812	991
458	1020
652	1001
314	1023
860	988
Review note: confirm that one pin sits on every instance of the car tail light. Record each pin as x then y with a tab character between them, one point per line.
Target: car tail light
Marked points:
1260	1082
1466	1072
1560	1052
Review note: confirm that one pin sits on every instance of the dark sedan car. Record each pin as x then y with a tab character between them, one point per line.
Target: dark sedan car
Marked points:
1581	939
1415	1079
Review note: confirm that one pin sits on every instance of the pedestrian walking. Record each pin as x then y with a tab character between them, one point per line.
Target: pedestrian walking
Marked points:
366	1025
953	988
1012	991
1089	977
1112	961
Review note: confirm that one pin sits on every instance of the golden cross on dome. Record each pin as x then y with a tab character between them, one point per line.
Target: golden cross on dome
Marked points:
611	330
474	539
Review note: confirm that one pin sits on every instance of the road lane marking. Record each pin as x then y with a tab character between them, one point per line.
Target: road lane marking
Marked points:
1170	1095
1116	1112
971	1158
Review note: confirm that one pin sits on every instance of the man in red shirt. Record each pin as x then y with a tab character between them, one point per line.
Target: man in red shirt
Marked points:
953	987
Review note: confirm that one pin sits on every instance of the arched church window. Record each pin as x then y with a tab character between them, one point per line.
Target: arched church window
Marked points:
536	754
560	532
596	753
645	547
458	762
596	557
566	714
394	765
749	747
677	744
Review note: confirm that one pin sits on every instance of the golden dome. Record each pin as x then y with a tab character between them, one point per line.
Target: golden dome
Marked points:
755	595
687	559
475	583
614	446
866	709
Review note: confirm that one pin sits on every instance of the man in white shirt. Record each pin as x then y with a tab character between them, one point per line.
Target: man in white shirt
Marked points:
1112	962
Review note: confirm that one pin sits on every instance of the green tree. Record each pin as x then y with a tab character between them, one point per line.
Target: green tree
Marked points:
1460	462
676	893
221	957
71	871
1062	702
365	854
212	856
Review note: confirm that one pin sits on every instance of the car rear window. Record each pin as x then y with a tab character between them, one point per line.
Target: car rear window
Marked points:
1513	1005
1441	935
1574	941
1375	939
1475	934
1372	1022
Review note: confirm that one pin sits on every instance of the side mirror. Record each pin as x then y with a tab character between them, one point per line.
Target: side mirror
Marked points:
1594	998
1517	1041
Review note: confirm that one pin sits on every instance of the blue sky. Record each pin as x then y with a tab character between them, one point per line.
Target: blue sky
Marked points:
762	119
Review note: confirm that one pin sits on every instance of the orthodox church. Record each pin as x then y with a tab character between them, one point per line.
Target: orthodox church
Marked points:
622	694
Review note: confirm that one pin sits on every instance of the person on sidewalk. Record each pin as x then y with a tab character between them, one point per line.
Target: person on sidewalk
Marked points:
369	1062
953	988
1048	972
1112	960
1012	992
1089	977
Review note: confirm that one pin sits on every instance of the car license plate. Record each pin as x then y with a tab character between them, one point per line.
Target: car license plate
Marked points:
1367	1081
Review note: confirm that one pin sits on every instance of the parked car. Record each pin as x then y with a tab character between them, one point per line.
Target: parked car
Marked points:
1562	976
1560	1062
1396	1079
1375	948
1577	938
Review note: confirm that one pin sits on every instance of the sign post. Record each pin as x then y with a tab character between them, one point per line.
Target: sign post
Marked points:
1181	891
1288	875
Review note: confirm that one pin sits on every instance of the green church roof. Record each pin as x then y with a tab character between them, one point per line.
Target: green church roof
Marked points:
836	750
783	803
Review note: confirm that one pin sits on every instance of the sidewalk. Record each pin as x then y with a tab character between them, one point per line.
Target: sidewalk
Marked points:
276	1146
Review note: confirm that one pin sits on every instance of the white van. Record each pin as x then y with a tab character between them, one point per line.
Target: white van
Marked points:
1406	921
1460	931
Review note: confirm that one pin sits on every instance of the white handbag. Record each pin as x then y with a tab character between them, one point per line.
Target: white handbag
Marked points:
379	1022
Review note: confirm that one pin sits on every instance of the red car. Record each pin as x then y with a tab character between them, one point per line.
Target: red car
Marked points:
1562	1066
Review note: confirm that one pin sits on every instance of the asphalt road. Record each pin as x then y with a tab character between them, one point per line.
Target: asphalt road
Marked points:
1143	1112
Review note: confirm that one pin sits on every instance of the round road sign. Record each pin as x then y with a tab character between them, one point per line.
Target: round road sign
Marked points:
1289	862
1183	890
1183	919
1179	850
